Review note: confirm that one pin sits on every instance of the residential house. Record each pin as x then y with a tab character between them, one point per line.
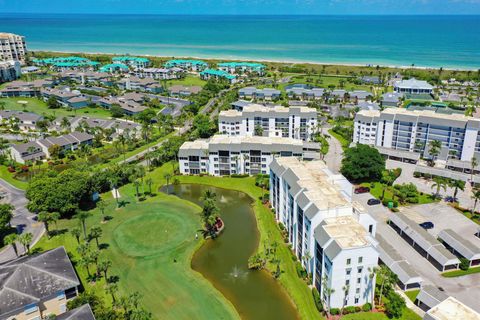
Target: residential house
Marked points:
413	86
81	313
26	121
35	286
183	91
391	99
25	89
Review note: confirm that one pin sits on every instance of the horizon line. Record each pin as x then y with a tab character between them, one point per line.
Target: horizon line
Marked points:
248	14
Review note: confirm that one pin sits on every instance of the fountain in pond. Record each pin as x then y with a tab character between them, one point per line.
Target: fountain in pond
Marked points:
237	274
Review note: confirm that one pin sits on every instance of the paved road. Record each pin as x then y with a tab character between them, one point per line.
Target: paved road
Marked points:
335	153
22	219
466	288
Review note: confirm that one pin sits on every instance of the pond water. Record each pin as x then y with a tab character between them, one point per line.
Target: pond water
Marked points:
224	261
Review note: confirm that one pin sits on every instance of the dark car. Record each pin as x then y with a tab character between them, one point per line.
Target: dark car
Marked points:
427	225
451	199
373	201
362	190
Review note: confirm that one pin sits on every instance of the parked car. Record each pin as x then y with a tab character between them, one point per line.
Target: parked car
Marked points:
361	190
373	201
451	199
427	225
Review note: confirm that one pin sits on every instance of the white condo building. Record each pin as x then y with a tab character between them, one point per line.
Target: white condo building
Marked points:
293	122
411	132
12	47
332	236
224	155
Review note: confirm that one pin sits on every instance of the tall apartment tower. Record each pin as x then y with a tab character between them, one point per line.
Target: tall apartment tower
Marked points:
12	47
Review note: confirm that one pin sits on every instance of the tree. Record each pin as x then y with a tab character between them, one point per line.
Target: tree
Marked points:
167	177
362	162
149	183
103	266
25	239
76	232
327	293
434	151
202	126
473	165
388	178
55	151
82	217
46	218
209	212
372	272
456	185
258	130
52	103
475	197
112	288
394	305
95	233
6	215
102	205
116	111
85	262
11	240
388	278
439	183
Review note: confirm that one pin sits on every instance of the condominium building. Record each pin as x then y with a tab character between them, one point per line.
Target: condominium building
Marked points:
238	67
9	70
331	236
136	62
293	122
12	47
412	132
223	155
413	86
37	286
261	94
190	65
218	75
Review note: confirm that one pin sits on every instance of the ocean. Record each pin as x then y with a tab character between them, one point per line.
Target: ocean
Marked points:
424	41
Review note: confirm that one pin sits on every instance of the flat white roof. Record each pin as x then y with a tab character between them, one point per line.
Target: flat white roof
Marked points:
346	231
452	309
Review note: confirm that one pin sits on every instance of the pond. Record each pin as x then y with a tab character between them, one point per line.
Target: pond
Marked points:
224	261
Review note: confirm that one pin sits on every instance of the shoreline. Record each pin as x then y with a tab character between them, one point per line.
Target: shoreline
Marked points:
286	61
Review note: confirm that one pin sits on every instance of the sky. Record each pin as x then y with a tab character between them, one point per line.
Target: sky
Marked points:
238	7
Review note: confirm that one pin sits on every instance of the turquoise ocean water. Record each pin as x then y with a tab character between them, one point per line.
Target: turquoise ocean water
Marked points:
436	41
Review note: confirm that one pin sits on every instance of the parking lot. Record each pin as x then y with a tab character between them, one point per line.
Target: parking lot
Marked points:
466	288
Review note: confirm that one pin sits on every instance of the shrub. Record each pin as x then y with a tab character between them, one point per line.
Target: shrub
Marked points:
464	264
367	307
385	201
417	174
300	270
348	310
358	309
334	311
317	299
394	305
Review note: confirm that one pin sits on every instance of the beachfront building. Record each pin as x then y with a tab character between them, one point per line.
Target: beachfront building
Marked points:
160	73
114	68
413	86
188	65
259	94
223	155
41	149
12	47
411	133
135	62
332	237
257	120
218	75
37	286
9	70
242	67
63	64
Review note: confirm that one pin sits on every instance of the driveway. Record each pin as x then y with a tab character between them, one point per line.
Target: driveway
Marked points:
335	153
22	219
466	288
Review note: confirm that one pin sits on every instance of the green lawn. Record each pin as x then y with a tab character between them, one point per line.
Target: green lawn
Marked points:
459	273
412	294
326	81
7	176
344	142
40	107
143	241
189	80
407	315
376	189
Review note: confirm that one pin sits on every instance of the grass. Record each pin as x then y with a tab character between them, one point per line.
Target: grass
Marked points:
344	142
7	176
376	189
40	107
269	233
324	81
407	315
143	241
460	273
189	80
412	294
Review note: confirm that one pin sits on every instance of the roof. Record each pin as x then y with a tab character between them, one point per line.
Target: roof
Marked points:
252	65
20	115
81	313
413	84
451	308
176	62
30	279
425	240
256	109
113	66
70	138
218	73
347	232
431	296
130	59
466	248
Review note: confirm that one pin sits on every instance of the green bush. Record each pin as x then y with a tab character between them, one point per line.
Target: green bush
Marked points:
394	305
358	309
300	270
348	310
367	307
334	311
317	299
417	174
464	264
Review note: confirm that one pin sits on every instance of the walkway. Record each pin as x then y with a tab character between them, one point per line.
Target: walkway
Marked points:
22	219
335	153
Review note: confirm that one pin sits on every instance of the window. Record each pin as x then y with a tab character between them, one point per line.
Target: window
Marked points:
357	290
349	261
348	271
360	269
347	282
356	300
360	259
359	280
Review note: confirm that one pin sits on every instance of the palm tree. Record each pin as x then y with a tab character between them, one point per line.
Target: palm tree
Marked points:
327	292
167	177
372	272
103	266
82	217
112	288
102	205
345	289
95	233
388	178
439	183
473	165
114	185
475	197
76	232
149	183
25	239
434	151
46	219
388	279
11	239
85	262
456	185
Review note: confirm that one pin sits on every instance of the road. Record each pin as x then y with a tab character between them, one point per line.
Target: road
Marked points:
22	219
335	153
